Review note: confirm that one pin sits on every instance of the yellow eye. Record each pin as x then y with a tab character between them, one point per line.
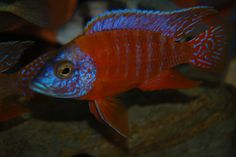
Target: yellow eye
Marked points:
64	69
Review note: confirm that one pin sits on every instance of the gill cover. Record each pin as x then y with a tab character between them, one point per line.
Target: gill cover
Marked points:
69	74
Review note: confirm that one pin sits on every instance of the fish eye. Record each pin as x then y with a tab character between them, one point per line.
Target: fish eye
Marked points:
64	69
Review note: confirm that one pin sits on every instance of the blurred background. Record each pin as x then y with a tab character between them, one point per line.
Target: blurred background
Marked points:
199	122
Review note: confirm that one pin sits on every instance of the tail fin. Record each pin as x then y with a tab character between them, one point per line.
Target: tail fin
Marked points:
210	47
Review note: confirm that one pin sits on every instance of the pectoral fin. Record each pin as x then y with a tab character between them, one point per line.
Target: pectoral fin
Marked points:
170	79
112	113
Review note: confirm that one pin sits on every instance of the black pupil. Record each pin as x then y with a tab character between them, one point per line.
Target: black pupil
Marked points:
66	71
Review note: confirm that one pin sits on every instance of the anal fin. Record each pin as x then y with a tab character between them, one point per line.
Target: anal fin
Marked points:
169	79
112	113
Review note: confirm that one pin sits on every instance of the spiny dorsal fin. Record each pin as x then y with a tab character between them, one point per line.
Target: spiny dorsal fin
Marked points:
35	12
169	23
10	53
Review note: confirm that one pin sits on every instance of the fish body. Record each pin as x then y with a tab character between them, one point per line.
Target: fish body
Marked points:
122	50
125	59
42	13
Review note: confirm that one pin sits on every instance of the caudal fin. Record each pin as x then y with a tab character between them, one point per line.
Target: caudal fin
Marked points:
210	48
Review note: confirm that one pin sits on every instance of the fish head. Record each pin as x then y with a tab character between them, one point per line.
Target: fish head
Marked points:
70	74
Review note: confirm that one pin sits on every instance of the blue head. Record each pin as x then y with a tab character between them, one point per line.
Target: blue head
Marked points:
70	74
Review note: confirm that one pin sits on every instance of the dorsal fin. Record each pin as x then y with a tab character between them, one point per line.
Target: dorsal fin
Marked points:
169	23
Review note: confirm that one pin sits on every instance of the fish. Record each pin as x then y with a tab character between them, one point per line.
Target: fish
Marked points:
26	75
14	94
38	19
35	19
10	53
126	49
42	13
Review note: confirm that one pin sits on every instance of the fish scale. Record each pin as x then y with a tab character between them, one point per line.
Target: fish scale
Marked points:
122	50
167	59
157	21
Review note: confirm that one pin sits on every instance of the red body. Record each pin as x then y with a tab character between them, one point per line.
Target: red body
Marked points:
126	59
135	49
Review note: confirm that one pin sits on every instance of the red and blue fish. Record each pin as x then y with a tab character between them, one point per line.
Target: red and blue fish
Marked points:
126	49
38	19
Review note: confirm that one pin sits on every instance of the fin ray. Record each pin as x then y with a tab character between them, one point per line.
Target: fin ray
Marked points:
169	23
210	48
169	79
112	113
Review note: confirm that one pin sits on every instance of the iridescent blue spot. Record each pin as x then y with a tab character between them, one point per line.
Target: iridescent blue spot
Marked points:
193	61
166	22
79	84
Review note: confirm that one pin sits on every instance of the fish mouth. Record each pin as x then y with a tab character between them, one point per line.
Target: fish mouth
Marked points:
39	88
45	90
42	89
